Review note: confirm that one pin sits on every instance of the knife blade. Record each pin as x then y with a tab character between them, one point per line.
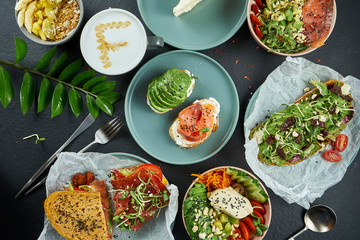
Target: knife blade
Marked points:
83	126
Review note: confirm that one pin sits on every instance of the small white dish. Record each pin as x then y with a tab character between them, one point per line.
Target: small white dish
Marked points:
111	28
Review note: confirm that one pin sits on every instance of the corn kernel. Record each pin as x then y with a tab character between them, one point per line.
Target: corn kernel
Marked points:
35	32
39	13
42	35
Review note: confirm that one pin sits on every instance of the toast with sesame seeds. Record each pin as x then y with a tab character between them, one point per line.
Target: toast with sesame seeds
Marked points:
77	215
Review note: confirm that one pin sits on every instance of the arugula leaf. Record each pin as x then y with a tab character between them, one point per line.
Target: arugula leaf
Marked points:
6	88
92	107
206	129
21	50
45	94
70	71
58	100
59	64
46	59
105	106
321	86
27	93
75	101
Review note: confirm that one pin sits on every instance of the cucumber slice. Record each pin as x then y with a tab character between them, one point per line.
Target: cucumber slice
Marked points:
252	186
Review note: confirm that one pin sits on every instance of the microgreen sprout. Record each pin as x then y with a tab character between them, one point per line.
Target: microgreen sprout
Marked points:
37	138
206	129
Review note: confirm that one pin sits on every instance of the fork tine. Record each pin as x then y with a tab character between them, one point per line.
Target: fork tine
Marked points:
115	131
107	125
110	130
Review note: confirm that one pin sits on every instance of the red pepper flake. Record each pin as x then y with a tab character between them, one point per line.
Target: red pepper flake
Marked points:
237	60
247	78
252	66
260	80
220	54
249	87
215	50
88	68
257	47
233	41
217	155
223	50
319	60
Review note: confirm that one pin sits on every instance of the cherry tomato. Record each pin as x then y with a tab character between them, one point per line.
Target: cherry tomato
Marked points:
245	234
258	31
78	179
255	20
259	215
260	4
259	207
118	175
236	230
255	9
90	177
341	142
249	222
332	156
150	167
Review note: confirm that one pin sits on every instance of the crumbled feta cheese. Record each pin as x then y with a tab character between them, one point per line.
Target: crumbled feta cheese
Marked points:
313	96
206	211
202	235
277	137
306	89
295	134
319	137
322	118
345	89
217	231
259	136
195	228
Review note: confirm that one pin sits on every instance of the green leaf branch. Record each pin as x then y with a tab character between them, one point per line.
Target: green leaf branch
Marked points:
99	92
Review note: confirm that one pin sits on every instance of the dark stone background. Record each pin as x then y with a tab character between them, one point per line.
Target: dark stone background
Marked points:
23	218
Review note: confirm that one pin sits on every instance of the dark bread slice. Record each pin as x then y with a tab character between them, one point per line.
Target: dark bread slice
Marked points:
307	94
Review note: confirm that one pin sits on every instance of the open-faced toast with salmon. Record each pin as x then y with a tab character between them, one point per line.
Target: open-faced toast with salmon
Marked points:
306	126
195	124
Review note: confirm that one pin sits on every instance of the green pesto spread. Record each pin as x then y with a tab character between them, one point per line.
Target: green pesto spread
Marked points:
300	130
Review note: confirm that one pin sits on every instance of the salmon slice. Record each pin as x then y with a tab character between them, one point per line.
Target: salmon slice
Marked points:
317	18
195	118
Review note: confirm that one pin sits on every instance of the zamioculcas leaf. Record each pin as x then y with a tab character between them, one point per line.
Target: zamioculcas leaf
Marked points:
104	86
70	71
93	108
82	78
59	64
21	50
27	93
46	59
75	101
45	94
58	100
6	88
93	82
112	97
105	105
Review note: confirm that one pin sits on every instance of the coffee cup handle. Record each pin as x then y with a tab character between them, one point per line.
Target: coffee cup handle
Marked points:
154	42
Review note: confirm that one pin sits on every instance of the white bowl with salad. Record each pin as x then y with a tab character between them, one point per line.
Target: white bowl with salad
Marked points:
291	27
226	203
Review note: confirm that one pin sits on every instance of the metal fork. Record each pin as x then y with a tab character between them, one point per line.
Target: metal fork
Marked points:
102	135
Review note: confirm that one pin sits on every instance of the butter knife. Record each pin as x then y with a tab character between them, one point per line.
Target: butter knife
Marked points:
83	126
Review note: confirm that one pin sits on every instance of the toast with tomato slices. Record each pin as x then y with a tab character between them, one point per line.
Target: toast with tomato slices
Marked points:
196	123
140	191
305	127
80	213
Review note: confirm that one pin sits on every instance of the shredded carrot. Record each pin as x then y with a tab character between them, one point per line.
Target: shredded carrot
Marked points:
214	179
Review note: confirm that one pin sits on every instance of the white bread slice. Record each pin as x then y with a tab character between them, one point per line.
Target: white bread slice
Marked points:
189	91
181	141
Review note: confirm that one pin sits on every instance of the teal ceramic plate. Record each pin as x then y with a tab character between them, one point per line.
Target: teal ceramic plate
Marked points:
151	130
207	25
251	105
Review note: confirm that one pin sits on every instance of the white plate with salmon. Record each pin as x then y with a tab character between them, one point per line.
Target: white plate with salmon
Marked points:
291	27
170	134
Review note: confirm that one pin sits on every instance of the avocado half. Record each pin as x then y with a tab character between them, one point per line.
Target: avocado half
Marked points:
169	90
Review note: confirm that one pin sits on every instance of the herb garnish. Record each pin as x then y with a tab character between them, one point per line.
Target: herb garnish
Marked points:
206	129
37	138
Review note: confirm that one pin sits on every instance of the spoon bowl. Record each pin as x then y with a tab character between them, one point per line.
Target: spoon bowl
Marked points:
318	218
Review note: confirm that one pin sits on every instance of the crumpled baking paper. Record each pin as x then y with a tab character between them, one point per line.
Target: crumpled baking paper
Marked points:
100	164
301	183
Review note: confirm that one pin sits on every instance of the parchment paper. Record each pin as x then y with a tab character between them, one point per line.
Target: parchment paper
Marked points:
70	163
304	182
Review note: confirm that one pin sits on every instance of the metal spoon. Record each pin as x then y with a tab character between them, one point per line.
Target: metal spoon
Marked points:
318	218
